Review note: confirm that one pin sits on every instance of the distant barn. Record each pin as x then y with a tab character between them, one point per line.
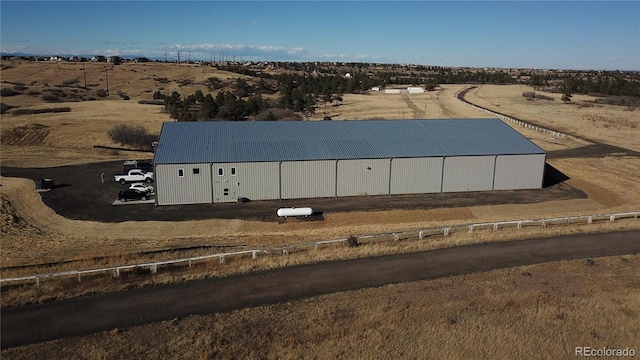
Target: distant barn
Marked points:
210	162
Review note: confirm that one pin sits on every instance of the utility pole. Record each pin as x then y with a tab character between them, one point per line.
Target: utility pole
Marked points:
84	72
189	57
178	57
106	74
165	56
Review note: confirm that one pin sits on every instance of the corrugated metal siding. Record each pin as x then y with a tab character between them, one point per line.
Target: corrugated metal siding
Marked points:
363	177
242	141
225	186
308	179
519	172
468	173
416	176
172	189
254	181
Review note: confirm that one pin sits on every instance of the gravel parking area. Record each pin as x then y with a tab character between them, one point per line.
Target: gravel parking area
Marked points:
79	194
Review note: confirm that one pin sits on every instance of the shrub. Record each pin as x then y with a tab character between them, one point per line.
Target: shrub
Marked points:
159	96
9	92
533	95
352	241
19	87
102	93
68	83
33	93
4	108
40	111
277	114
136	136
123	95
51	98
151	102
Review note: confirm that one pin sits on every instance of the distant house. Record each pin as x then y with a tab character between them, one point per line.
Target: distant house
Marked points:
375	88
415	90
141	60
98	58
115	60
55	58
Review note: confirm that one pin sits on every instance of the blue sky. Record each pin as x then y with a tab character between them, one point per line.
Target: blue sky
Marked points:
514	34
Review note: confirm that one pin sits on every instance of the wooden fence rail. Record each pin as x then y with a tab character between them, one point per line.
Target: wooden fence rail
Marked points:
396	236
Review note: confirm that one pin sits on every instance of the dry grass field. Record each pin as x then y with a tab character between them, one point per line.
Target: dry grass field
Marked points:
496	318
615	125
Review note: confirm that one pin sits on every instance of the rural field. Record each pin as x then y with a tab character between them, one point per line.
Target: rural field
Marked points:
498	314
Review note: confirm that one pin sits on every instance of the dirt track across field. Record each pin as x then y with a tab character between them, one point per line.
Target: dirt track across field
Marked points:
77	317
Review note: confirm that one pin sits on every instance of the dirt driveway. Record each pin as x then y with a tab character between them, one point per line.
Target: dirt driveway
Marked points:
77	317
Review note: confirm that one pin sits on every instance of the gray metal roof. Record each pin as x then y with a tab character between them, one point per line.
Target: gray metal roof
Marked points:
248	141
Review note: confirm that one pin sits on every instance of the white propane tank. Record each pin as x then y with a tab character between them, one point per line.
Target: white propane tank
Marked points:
294	211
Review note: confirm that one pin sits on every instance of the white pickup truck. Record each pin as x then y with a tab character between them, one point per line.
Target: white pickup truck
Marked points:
135	175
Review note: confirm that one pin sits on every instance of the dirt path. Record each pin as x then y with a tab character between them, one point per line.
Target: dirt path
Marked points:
78	317
438	107
417	113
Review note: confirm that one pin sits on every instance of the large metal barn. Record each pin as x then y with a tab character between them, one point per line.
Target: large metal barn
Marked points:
219	161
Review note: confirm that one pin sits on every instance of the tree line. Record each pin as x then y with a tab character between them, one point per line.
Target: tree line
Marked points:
592	82
309	86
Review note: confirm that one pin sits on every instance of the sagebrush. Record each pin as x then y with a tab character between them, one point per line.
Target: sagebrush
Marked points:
135	136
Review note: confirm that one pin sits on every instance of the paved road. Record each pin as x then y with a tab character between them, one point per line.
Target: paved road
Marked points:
75	317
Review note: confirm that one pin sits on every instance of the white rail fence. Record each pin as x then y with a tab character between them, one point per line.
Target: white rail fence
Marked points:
553	133
115	270
395	236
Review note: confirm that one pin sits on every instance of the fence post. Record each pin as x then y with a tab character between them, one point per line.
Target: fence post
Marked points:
396	237
470	228
519	224
285	250
612	218
544	223
221	259
189	262
446	231
495	226
590	220
79	277
116	272
254	254
421	234
153	268
37	281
